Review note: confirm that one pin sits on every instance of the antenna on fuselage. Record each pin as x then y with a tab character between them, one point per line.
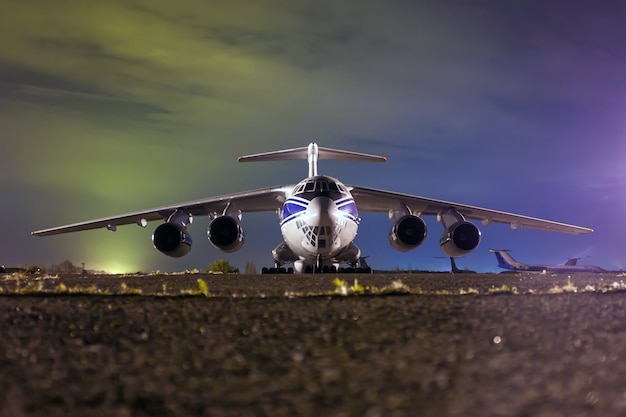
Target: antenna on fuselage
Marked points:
312	154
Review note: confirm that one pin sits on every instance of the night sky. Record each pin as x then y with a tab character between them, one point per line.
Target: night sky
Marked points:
115	106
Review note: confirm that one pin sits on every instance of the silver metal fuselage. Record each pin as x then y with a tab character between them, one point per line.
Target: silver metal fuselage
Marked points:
319	221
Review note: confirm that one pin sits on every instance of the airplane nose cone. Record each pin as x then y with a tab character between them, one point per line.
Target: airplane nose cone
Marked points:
319	211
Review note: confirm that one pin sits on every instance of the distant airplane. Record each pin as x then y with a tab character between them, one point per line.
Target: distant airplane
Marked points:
454	269
318	217
506	261
26	269
362	266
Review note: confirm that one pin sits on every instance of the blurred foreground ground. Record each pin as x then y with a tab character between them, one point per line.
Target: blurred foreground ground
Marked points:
428	345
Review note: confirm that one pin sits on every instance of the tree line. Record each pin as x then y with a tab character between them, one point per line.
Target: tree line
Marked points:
222	265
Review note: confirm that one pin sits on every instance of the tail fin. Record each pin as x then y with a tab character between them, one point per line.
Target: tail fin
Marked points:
574	261
312	153
505	260
453	268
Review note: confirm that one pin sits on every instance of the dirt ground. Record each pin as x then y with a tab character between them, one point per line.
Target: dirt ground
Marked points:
241	345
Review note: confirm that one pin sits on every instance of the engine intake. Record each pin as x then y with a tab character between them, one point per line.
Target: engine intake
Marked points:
172	239
407	233
225	233
460	239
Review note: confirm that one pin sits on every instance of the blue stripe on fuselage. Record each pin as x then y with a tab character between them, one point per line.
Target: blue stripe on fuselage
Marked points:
348	206
295	206
292	208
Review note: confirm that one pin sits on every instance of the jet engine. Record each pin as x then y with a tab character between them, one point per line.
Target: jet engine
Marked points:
225	233
460	239
407	233
172	239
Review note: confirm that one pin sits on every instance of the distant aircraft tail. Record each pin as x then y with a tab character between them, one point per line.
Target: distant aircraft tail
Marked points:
363	262
312	153
572	261
453	268
505	260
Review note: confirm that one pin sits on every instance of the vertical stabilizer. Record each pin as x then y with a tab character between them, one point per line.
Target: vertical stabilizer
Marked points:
505	260
313	155
453	268
572	261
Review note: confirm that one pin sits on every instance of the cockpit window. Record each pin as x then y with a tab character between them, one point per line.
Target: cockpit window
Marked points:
319	184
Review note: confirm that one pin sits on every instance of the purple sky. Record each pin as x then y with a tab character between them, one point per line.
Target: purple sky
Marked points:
118	106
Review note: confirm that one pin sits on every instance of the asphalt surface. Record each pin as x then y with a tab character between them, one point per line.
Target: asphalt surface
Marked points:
395	345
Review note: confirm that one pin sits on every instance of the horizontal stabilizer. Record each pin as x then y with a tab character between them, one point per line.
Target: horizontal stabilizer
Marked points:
303	153
312	153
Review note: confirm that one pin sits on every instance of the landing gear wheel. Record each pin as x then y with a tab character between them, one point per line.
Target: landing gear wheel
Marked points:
277	269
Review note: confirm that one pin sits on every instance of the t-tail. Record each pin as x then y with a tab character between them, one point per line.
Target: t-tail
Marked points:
312	154
505	260
572	261
453	268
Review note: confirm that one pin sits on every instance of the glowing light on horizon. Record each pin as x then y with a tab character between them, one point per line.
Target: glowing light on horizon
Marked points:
116	252
114	268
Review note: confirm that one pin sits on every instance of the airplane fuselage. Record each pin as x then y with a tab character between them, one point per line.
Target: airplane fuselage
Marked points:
557	269
319	221
506	261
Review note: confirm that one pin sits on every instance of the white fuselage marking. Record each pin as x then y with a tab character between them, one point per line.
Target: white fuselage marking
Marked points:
320	229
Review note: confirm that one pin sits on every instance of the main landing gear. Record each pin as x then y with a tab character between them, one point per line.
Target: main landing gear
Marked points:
358	267
277	269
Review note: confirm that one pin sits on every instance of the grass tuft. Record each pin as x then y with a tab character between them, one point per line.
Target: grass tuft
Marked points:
341	286
32	288
126	290
397	287
203	288
356	288
504	289
569	287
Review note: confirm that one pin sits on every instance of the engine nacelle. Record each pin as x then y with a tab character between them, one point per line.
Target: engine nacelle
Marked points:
172	239
460	239
225	233
407	233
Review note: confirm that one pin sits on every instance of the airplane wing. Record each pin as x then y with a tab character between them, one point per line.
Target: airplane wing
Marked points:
374	200
264	199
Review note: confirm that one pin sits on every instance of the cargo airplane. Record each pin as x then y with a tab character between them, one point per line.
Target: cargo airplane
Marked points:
318	217
506	261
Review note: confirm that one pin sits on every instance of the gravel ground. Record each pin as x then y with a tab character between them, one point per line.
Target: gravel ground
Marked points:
434	345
